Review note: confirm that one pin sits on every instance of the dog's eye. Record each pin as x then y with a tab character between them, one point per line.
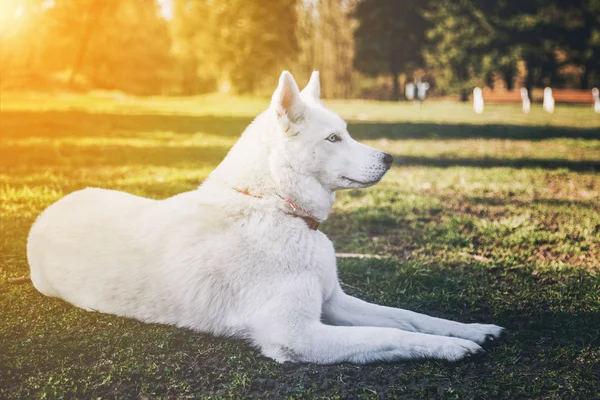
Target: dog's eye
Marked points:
333	138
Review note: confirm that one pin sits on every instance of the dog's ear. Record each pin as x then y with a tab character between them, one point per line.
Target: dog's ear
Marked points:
286	100
313	88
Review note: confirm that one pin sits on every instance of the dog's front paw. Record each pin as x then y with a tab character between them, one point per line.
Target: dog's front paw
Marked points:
454	349
481	333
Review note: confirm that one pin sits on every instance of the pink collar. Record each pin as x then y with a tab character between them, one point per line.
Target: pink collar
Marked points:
310	220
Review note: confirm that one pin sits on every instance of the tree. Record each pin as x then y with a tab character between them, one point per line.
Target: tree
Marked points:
460	40
110	44
24	35
194	32
581	23
257	41
240	42
326	42
532	32
472	39
131	50
389	38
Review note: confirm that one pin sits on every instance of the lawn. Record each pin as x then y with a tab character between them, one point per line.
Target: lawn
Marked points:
483	218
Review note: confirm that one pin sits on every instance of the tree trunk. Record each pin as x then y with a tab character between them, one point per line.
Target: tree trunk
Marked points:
403	80
529	79
396	86
489	80
585	77
93	19
509	76
188	64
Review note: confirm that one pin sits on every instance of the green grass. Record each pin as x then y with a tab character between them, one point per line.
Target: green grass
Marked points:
491	218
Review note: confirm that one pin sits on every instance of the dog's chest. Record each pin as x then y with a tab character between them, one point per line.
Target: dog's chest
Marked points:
309	252
260	254
323	263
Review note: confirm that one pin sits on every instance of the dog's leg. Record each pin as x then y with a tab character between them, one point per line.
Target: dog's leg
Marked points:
324	344
287	327
342	309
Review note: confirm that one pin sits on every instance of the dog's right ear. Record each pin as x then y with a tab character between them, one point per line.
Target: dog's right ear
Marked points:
313	88
286	100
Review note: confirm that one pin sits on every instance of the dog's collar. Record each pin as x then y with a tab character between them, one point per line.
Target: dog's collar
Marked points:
310	220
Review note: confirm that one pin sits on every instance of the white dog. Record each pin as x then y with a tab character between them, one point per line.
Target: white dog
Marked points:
241	255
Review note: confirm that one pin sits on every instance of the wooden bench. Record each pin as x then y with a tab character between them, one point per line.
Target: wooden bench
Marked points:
504	96
572	96
560	96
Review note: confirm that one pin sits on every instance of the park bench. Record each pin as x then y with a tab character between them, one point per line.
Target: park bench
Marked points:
501	96
572	96
560	96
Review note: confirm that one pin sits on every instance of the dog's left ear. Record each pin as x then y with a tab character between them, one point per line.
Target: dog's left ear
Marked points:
287	102
313	88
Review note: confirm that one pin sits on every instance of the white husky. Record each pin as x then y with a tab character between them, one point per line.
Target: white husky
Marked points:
241	255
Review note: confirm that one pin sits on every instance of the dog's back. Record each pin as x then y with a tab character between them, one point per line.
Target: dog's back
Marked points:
71	237
197	260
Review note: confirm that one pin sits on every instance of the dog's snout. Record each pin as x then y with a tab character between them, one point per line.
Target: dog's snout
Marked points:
388	159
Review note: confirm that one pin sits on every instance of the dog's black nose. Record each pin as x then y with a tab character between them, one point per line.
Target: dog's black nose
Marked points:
388	159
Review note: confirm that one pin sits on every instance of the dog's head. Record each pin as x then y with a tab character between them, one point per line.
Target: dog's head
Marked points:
313	141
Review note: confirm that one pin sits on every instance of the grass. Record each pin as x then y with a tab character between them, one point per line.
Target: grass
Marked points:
491	218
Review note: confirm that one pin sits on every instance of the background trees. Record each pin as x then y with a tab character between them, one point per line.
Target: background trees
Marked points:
389	38
197	46
555	40
239	43
459	44
327	44
110	44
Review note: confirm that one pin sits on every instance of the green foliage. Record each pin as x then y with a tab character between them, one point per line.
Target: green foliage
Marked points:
207	46
461	39
389	37
110	44
579	23
491	218
239	42
130	49
325	38
548	35
259	43
471	39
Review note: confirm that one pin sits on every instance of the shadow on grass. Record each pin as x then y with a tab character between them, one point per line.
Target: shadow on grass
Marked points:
69	123
429	131
561	302
56	124
112	155
83	124
543	202
490	162
118	355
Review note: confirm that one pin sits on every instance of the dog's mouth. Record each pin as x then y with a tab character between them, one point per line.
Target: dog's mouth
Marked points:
369	183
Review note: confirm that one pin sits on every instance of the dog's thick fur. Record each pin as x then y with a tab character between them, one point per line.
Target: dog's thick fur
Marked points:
222	261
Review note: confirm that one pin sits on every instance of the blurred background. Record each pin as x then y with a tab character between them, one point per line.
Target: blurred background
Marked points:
364	49
489	214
